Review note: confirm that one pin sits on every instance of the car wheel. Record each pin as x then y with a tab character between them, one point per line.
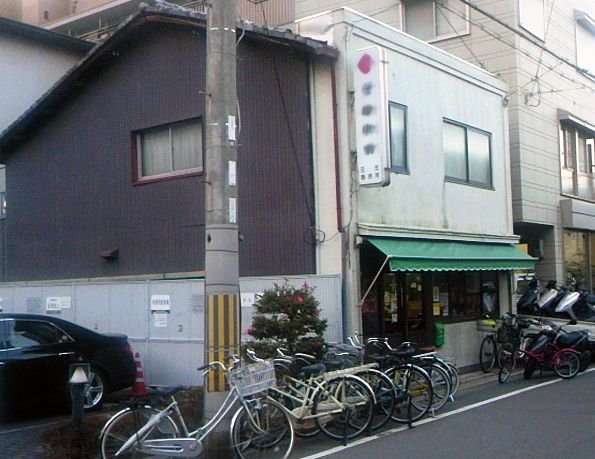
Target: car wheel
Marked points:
95	390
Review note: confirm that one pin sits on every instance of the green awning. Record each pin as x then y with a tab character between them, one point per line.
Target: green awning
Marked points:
433	255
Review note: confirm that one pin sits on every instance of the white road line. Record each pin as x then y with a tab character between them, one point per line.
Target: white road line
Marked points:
361	441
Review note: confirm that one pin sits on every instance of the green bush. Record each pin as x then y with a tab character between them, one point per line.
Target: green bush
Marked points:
287	317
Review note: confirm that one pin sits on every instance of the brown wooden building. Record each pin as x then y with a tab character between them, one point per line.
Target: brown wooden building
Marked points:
104	172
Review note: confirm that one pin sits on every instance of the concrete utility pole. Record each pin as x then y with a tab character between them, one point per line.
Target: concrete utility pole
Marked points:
222	312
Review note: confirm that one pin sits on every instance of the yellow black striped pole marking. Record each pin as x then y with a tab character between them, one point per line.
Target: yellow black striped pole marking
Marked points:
223	335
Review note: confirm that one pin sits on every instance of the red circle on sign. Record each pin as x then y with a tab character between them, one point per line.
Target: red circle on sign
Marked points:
365	63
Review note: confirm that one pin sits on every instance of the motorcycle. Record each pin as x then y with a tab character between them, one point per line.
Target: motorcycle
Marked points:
578	305
566	353
527	303
551	295
532	302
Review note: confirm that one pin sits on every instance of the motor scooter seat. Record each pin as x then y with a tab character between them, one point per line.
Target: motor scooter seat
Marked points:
570	339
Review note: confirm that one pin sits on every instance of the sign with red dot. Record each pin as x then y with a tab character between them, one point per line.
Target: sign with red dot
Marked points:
371	118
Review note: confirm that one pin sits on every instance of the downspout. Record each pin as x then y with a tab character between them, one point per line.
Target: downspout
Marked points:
340	228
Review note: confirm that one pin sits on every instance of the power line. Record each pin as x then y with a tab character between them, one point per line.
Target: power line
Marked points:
523	35
441	11
526	53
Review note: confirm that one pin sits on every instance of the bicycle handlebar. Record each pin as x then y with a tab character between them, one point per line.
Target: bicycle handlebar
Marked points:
216	363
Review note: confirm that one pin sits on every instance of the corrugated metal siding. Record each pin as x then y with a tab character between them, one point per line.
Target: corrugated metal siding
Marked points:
170	354
271	146
271	12
71	183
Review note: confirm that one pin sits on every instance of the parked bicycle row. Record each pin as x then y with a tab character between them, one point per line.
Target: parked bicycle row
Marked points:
534	344
354	389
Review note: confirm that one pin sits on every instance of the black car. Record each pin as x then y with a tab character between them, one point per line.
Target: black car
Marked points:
36	352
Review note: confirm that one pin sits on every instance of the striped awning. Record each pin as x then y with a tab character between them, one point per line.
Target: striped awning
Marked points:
442	255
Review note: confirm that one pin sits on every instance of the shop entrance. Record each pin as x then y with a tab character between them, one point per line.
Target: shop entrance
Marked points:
404	307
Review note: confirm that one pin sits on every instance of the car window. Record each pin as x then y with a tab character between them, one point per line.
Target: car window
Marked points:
28	333
5	332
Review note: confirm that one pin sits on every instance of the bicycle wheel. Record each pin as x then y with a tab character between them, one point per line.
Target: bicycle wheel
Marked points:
503	352
357	403
384	393
487	354
440	386
125	424
567	364
261	429
455	378
414	393
530	367
506	369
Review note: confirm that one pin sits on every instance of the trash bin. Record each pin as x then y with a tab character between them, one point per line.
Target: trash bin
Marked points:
438	333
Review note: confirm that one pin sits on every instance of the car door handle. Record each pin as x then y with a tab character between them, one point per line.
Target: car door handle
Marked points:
66	353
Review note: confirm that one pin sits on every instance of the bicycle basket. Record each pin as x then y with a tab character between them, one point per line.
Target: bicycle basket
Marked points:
252	378
487	325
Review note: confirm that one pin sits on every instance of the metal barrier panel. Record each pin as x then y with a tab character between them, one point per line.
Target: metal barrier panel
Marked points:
164	319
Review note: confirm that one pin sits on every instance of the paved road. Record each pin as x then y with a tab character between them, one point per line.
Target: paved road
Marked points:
543	418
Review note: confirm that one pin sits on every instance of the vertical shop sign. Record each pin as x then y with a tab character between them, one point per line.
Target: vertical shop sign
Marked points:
371	116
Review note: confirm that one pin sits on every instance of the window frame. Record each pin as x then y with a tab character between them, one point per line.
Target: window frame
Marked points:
571	136
484	277
523	24
468	181
403	109
436	37
584	27
136	153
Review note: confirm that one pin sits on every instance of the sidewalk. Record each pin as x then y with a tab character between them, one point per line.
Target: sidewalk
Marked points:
23	440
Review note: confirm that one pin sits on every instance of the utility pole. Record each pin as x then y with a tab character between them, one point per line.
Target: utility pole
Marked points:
222	312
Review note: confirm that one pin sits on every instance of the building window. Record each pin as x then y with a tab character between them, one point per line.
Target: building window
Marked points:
467	295
467	154
430	21
532	17
585	41
169	150
579	258
398	137
577	163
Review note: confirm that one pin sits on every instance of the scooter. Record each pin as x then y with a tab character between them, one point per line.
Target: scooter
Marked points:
527	303
577	303
551	295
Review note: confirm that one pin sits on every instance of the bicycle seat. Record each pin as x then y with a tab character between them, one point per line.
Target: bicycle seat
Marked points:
314	369
378	358
166	391
406	352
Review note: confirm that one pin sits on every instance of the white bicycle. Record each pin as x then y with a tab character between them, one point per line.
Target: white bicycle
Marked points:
260	428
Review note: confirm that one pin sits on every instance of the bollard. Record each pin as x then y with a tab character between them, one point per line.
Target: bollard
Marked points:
77	388
78	380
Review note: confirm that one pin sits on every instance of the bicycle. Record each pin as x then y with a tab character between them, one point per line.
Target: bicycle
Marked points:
261	427
339	403
501	337
543	353
413	385
438	373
